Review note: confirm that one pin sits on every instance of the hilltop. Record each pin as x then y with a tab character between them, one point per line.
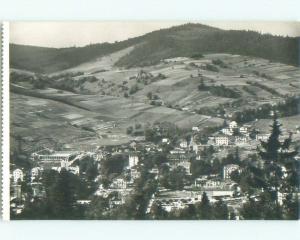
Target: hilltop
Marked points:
187	40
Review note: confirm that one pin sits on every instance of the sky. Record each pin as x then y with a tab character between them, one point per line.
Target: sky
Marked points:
67	34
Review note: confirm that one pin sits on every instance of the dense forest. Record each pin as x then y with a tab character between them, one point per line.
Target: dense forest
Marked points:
189	39
184	40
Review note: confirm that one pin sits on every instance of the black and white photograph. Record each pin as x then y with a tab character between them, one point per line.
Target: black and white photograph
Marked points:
154	120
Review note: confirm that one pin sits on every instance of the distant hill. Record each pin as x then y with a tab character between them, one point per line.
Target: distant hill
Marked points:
184	40
47	60
191	39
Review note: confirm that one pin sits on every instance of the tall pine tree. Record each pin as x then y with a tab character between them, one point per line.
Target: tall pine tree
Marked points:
280	166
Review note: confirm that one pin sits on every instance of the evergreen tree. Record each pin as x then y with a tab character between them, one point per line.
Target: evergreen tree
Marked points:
62	196
251	210
220	210
278	161
204	209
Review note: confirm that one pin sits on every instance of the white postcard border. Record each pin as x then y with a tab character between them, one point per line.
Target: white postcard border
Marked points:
5	122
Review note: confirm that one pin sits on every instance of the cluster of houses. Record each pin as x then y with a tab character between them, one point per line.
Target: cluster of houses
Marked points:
16	193
172	203
235	135
120	187
215	186
44	159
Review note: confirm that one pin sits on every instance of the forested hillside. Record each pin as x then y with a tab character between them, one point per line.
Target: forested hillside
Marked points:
184	40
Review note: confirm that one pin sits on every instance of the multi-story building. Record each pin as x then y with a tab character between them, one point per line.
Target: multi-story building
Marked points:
133	160
49	159
18	175
56	156
233	125
227	131
222	141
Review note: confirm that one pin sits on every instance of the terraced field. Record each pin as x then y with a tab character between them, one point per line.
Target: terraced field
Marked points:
98	120
102	115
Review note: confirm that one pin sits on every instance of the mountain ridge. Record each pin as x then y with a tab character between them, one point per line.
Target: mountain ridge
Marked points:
182	40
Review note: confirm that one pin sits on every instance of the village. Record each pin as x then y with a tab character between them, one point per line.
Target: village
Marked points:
106	139
182	154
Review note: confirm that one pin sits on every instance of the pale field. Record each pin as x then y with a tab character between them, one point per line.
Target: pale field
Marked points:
102	63
288	124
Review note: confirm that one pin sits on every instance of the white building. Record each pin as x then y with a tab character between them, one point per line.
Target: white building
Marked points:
54	156
196	129
240	140
233	125
18	175
228	169
165	140
211	184
119	183
262	137
133	161
227	131
222	141
192	145
35	172
244	129
66	165
195	147
177	151
183	143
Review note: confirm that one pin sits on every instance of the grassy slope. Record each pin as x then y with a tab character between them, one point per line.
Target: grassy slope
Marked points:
48	60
